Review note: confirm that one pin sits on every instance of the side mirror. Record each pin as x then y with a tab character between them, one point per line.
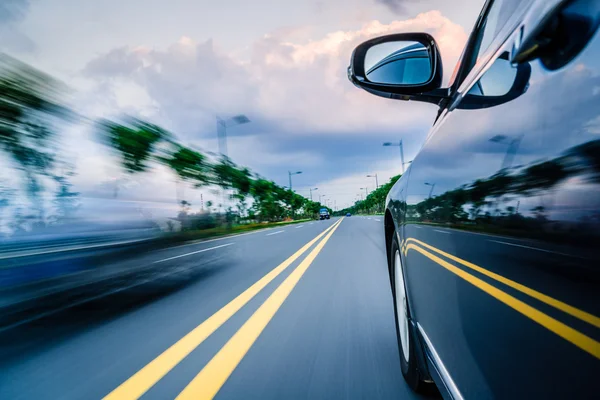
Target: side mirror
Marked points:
501	83
399	64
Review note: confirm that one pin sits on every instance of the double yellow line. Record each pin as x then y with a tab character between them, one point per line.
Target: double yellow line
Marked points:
212	377
577	338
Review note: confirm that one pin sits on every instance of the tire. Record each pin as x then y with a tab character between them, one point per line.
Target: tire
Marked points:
407	346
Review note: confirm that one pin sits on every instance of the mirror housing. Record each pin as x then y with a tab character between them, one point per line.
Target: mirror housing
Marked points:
358	76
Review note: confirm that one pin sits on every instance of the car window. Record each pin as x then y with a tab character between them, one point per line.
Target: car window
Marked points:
498	15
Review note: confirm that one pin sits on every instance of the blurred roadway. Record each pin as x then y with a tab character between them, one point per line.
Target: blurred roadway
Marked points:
333	337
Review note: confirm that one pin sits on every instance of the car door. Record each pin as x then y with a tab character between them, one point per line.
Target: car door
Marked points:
503	216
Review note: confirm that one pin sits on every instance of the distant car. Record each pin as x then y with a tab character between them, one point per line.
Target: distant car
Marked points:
323	213
348	214
504	306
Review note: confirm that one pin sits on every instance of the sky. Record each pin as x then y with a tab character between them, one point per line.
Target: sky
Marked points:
283	64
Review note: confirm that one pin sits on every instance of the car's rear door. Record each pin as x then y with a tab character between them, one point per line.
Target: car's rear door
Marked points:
503	220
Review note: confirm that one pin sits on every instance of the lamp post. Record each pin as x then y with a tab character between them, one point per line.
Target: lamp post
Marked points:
513	146
376	180
290	176
366	191
430	190
223	124
401	151
312	190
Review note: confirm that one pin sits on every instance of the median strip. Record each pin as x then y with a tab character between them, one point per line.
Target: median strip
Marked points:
214	375
144	379
577	338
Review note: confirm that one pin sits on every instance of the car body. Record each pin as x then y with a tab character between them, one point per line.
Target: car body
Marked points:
492	232
348	214
324	214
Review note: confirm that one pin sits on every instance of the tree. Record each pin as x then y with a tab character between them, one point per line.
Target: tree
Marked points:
30	106
135	142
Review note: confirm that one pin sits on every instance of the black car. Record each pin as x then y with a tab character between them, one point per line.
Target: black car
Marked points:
492	233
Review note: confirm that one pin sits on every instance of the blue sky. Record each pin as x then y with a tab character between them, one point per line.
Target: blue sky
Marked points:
180	63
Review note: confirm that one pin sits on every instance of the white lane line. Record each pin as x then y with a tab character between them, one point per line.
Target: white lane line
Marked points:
298	227
274	233
536	248
311	223
378	220
193	252
232	236
437	230
368	218
416	226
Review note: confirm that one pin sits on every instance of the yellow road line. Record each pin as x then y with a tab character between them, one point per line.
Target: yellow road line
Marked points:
580	340
213	376
144	379
577	313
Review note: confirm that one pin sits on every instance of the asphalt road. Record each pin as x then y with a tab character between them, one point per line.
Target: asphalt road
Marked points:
322	328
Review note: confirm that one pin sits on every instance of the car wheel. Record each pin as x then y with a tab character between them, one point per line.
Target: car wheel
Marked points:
406	341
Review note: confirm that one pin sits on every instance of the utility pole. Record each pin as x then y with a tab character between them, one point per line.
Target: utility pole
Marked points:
311	190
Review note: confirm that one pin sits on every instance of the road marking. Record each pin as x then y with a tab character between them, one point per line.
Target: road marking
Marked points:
274	233
447	233
368	218
144	379
577	313
378	220
417	226
536	248
298	227
577	338
193	252
213	376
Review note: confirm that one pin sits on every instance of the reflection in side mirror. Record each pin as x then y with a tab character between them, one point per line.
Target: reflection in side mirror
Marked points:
501	83
398	63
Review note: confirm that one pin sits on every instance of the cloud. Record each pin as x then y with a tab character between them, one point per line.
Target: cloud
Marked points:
305	114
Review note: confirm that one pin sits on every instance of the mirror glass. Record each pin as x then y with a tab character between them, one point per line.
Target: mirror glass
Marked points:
497	80
398	63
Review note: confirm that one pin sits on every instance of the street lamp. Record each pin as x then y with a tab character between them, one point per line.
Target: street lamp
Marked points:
290	176
366	193
222	125
311	190
401	151
430	190
376	181
513	146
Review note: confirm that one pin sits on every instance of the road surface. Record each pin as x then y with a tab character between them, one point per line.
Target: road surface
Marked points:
297	312
332	336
